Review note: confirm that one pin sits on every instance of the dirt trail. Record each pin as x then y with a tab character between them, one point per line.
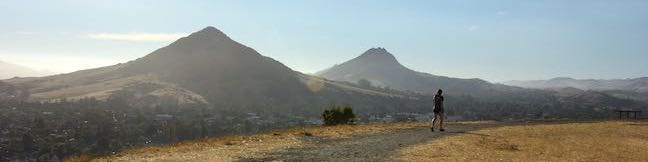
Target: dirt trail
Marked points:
468	141
375	146
373	142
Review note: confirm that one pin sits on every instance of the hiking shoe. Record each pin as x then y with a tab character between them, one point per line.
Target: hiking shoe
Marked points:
442	129
432	129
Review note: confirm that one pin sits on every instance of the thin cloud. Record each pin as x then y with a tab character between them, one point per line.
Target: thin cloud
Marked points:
501	13
138	37
58	62
24	33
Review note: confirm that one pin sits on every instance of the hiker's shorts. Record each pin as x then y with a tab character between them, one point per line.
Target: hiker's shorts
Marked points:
438	109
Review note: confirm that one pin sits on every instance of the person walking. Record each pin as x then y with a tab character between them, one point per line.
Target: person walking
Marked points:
438	111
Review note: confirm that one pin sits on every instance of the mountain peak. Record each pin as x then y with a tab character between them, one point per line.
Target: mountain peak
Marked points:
377	50
378	53
210	29
209	32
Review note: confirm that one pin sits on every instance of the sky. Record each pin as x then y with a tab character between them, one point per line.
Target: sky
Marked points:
496	40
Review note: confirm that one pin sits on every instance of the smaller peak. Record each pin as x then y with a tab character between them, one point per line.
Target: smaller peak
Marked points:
209	31
562	78
378	51
378	54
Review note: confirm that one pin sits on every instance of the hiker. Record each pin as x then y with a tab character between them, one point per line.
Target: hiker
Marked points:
438	111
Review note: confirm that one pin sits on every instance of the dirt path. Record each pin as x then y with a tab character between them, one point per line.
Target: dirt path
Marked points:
377	146
469	141
373	142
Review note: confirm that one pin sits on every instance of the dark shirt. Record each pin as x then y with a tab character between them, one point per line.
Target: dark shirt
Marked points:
438	101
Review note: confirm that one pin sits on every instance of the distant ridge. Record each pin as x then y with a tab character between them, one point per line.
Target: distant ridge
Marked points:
9	70
208	67
632	84
633	88
376	65
382	69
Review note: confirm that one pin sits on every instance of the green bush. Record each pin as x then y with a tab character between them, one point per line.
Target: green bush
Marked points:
339	115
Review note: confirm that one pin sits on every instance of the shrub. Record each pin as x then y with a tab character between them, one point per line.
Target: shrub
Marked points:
339	115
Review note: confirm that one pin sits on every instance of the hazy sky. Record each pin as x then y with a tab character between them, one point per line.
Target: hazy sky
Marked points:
493	40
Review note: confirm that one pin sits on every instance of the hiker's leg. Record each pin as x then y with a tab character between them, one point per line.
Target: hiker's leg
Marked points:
433	120
441	120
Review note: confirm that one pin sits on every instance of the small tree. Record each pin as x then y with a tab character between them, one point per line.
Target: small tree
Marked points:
338	115
364	83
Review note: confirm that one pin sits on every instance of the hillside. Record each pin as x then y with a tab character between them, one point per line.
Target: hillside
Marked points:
635	88
635	84
208	67
464	141
379	68
382	69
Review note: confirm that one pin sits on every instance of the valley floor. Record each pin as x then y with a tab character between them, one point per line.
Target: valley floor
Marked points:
462	141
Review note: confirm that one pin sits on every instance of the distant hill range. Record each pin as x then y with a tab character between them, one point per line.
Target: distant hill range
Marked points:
377	67
381	69
9	70
636	88
207	67
636	84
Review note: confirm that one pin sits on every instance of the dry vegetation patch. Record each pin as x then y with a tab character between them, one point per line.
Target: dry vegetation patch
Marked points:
232	148
464	141
603	141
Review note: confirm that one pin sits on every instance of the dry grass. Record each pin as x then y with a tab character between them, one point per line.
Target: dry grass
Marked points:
604	141
465	141
231	148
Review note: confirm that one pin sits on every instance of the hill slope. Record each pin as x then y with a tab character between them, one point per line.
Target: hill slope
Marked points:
635	84
636	88
205	67
208	67
378	67
381	68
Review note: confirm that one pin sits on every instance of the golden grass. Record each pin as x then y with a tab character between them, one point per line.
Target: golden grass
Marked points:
231	148
602	141
465	141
